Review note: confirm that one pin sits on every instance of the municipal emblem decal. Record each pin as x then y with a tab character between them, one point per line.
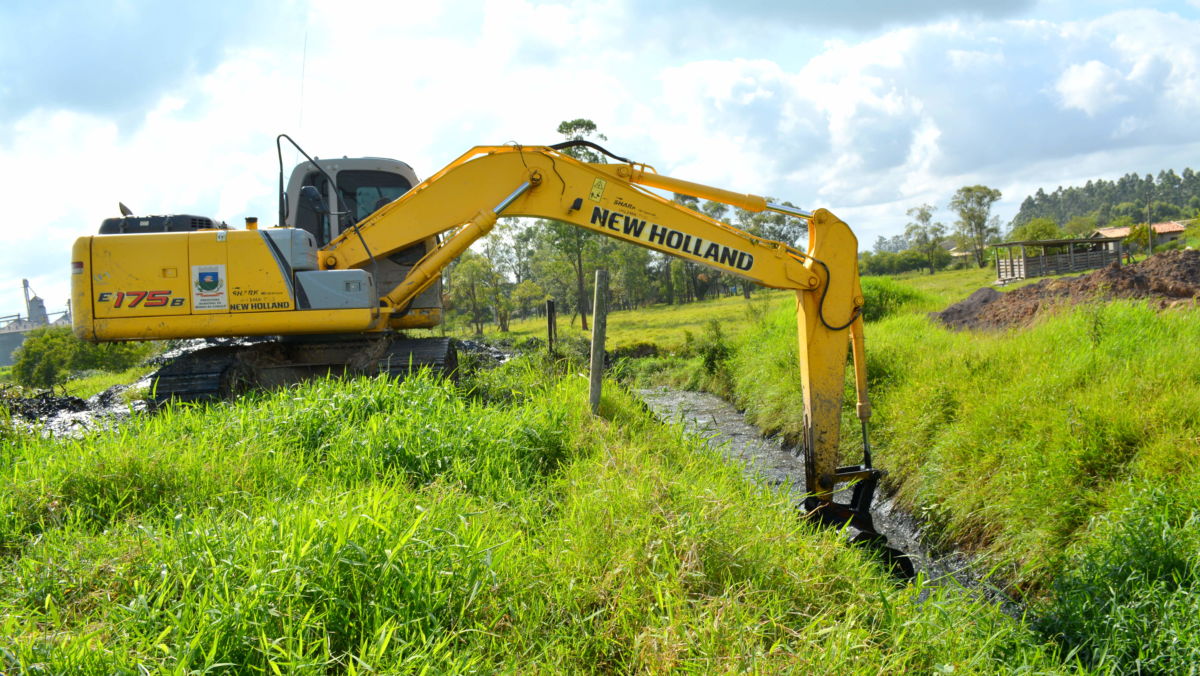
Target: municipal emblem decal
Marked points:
208	281
208	288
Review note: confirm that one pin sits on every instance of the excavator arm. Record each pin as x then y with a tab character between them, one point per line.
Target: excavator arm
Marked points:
184	277
614	200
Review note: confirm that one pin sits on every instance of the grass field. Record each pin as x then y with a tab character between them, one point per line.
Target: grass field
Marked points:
663	325
1064	454
492	526
668	326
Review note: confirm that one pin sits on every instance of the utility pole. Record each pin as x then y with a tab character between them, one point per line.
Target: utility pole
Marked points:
1149	228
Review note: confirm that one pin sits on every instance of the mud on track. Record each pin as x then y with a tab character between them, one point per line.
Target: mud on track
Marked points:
1166	279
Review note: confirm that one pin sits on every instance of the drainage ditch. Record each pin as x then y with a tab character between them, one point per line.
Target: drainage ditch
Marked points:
767	461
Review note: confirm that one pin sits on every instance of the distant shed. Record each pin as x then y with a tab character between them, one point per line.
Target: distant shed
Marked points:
1016	260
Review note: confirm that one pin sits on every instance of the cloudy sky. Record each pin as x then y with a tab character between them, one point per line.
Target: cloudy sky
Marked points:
865	107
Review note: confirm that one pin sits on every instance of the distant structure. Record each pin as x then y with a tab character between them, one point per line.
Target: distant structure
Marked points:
1167	231
14	328
1042	257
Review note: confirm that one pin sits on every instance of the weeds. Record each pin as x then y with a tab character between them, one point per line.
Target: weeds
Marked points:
1129	597
1020	445
423	526
886	297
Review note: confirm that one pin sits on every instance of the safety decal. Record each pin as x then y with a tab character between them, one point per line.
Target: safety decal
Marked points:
598	187
208	288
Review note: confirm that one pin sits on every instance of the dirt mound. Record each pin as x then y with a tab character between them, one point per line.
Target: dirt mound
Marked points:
963	314
42	405
1167	277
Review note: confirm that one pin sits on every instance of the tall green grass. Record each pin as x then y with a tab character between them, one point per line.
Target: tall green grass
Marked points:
423	526
1128	597
95	382
1020	446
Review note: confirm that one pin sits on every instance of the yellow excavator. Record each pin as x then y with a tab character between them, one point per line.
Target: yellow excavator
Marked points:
359	255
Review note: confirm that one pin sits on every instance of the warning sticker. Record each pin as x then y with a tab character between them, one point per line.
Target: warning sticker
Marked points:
597	192
208	288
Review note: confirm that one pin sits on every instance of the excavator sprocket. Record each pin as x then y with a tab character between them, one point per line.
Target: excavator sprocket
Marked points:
222	371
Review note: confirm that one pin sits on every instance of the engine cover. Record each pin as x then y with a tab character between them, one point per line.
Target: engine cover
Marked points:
132	225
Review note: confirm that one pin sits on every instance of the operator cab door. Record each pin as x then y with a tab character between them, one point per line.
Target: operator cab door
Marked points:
361	193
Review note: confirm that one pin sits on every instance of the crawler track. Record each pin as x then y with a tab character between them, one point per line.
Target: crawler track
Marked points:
222	371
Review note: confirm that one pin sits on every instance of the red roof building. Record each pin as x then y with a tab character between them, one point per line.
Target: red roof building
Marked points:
1167	231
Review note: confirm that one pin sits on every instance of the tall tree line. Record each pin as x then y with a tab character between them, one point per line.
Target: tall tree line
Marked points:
1169	196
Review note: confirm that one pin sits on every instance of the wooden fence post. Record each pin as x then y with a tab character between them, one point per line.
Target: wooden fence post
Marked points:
551	325
599	324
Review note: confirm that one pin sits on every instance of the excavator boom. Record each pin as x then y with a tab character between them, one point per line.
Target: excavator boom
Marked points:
609	199
461	203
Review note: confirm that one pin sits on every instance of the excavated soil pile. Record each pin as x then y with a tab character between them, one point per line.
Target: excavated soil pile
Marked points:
1165	278
42	405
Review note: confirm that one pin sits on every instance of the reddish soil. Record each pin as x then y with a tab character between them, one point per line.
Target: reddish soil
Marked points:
1165	278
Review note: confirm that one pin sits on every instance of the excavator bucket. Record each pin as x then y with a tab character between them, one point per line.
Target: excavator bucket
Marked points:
855	515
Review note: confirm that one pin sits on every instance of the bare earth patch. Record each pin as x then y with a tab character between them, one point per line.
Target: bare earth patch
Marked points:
1167	279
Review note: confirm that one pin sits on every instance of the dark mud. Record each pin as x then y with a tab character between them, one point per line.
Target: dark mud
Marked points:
57	415
1166	279
51	414
487	352
767	461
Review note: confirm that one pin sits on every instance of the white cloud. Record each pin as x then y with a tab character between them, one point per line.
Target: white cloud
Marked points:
914	114
868	127
974	59
858	15
1090	87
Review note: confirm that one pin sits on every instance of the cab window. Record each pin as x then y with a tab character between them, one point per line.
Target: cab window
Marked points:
365	191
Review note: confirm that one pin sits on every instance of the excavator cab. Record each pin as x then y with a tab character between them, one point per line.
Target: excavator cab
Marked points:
360	187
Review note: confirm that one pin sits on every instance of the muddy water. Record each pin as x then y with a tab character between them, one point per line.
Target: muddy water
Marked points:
765	460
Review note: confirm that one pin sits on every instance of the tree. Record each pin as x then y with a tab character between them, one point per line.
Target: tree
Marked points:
50	355
1081	226
473	277
1138	238
45	358
894	244
631	279
773	225
1106	200
924	235
527	295
1038	228
975	223
572	239
552	268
